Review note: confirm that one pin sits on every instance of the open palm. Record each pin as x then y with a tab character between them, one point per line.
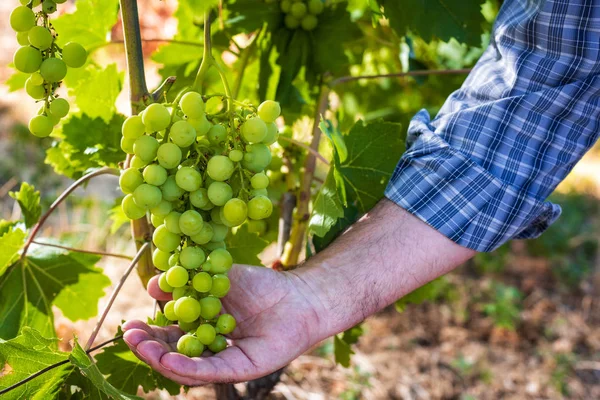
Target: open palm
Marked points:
277	321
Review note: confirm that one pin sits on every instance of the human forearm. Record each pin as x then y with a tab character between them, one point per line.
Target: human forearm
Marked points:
385	255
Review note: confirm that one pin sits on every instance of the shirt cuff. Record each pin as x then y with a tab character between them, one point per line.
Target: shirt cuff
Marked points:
446	189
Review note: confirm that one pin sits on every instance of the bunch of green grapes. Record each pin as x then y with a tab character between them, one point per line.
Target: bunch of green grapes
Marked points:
40	56
196	176
302	13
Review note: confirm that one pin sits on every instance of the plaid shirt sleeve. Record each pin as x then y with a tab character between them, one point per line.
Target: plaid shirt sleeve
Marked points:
481	170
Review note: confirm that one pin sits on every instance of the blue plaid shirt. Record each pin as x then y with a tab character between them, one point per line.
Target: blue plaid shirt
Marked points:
481	170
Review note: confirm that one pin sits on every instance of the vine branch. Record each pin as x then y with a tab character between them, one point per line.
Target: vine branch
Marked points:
345	79
98	253
314	152
60	199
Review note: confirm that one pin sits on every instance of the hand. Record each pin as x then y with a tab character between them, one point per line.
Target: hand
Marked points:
277	316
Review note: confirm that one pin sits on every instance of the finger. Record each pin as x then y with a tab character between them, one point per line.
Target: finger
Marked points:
155	292
168	334
229	366
151	351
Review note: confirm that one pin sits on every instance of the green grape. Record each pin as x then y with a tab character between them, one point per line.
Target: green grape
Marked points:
187	309
219	232
218	345
53	118
210	307
170	190
53	69
183	291
157	220
206	334
259	181
59	107
129	180
219	193
259	192
225	324
27	59
291	22
199	198
146	147
236	155
169	311
160	259
165	240
40	37
130	209
60	1
133	127
172	222
220	285
192	105
22	19
257	226
23	38
190	346
215	215
272	134
212	246
269	110
254	130
177	276
191	222
260	207
174	259
162	209
217	134
257	157
41	126
202	282
155	175
205	234
189	326
220	168
298	10
192	257
221	261
189	179
315	7
235	212
49	7
37	92
127	147
164	285
137	162
286	6
309	22
38	79
74	55
182	134
147	196
201	125
156	117
169	155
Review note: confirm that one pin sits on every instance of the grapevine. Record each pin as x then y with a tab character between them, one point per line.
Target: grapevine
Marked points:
40	56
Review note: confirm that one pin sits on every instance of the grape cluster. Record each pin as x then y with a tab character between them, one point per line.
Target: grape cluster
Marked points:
40	56
302	13
197	175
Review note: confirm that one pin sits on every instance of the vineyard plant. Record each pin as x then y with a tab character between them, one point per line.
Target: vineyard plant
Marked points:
276	125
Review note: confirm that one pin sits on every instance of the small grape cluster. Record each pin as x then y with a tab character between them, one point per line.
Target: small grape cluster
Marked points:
198	175
302	13
40	56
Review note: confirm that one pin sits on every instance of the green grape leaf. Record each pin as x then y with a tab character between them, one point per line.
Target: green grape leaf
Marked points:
29	202
11	243
118	217
126	372
77	387
177	54
437	19
16	80
90	370
336	139
352	335
327	207
245	246
89	25
159	320
25	355
246	17
49	276
431	291
342	351
351	215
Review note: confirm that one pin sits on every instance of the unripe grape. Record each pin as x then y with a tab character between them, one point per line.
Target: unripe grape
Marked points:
235	212
272	134
40	37
220	168
291	22
157	220
49	7
183	291
165	240
192	105
156	117
187	309
182	134
225	324
259	181
188	178
260	207
177	276
309	22
60	1
136	162
41	126
53	69
74	55
172	222
206	334
170	190
22	19
254	130
269	110
219	232
286	6
202	282
59	107
169	155
236	155
221	261
220	285
298	10
199	198
315	7
204	236
257	226
162	209
163	284
27	59
201	125
215	215
130	179
127	147
37	92
219	193
189	326
147	196
146	148
174	259
169	311
218	345
160	259
155	175
130	209
217	134
258	192
257	157
133	127
210	307
190	346
191	223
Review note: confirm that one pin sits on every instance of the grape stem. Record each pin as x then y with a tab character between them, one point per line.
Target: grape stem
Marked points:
60	199
207	59
98	253
306	147
115	292
163	88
